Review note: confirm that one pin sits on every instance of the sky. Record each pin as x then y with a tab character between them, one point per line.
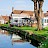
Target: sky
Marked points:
6	6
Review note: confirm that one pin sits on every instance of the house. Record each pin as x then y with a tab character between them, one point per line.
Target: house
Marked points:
1	20
25	14
5	18
45	20
19	19
46	14
21	16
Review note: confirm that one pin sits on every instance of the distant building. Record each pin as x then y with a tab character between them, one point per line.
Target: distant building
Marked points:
45	20
46	14
5	18
1	20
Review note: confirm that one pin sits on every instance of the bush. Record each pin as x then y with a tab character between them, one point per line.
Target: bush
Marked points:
44	44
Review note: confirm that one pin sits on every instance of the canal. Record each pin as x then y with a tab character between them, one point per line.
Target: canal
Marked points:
6	41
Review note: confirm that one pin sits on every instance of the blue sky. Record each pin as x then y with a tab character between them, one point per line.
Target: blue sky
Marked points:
6	6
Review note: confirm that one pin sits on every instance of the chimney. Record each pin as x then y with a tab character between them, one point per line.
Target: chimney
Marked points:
12	9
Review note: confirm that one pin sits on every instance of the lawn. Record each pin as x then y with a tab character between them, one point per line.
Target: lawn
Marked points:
43	32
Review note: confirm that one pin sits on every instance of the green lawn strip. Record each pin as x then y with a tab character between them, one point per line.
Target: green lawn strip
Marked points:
44	44
6	25
26	28
43	32
32	29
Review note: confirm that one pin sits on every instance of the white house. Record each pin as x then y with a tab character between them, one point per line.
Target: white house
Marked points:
19	18
45	22
1	20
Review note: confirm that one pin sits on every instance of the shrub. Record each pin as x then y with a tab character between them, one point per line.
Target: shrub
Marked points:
44	44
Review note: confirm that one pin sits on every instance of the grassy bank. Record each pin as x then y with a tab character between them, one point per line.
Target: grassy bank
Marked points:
43	32
39	34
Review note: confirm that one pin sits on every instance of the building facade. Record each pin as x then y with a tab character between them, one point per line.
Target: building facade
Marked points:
1	20
5	18
21	16
45	20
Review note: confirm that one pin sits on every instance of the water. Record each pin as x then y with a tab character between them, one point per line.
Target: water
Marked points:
6	42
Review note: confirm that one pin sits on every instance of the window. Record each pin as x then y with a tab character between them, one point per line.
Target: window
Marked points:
45	20
16	20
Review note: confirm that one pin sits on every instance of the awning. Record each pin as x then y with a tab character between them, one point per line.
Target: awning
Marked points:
26	18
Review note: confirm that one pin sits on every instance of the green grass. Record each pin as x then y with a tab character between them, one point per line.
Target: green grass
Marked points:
6	25
26	28
43	32
44	44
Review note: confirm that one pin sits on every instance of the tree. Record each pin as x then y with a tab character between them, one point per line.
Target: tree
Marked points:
38	12
40	4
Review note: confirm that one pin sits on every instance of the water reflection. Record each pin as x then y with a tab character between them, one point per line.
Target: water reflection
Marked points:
4	32
6	41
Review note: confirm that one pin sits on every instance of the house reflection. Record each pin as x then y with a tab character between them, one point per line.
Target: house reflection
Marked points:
4	32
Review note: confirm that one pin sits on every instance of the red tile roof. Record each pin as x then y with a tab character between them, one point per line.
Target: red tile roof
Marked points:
46	14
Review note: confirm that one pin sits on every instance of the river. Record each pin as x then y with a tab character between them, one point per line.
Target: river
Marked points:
6	41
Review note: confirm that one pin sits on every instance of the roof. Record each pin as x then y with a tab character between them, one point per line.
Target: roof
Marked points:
17	11
6	18
25	14
29	12
22	11
46	14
